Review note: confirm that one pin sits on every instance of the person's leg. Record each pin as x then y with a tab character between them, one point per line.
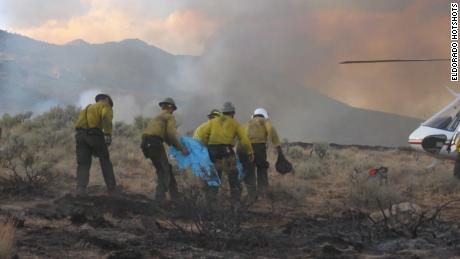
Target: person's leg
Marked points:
173	189
260	158
84	158
162	166
101	150
233	181
215	154
249	177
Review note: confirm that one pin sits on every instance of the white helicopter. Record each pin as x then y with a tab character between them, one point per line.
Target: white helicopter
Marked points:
437	136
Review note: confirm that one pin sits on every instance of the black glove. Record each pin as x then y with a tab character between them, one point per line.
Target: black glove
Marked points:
108	139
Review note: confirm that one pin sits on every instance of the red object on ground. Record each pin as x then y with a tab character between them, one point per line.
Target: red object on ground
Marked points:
373	172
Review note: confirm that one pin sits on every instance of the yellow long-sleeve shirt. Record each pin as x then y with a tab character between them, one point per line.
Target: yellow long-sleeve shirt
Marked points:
198	130
223	130
97	115
164	126
260	130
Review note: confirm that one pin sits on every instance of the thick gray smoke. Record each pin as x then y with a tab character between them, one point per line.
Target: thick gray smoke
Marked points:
276	55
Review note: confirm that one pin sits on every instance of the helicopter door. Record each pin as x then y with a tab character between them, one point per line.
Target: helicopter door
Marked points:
434	143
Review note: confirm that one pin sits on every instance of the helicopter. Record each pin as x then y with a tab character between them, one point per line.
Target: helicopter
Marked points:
437	136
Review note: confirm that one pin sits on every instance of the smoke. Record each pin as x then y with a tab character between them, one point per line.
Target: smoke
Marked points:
272	54
87	97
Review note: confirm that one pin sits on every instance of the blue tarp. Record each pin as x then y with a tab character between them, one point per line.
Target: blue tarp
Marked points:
198	160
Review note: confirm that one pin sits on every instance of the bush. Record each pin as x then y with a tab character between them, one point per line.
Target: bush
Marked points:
7	121
321	150
311	169
28	169
140	122
295	152
214	226
371	193
122	129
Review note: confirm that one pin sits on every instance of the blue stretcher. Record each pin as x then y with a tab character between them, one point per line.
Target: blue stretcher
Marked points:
199	162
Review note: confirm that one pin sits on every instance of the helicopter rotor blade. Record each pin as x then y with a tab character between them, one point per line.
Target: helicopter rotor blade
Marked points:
392	60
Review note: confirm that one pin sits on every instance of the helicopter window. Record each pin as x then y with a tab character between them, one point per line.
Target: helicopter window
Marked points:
439	123
447	119
453	125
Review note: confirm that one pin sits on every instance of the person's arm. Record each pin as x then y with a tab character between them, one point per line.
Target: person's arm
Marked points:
272	134
171	133
203	133
198	134
107	118
244	140
81	121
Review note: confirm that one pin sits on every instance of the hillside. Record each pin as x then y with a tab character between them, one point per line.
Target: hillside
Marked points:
35	76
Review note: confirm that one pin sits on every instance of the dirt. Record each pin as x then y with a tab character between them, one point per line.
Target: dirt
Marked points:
133	226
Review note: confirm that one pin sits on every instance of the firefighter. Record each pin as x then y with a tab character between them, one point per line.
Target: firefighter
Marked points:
162	128
93	136
260	130
213	114
219	135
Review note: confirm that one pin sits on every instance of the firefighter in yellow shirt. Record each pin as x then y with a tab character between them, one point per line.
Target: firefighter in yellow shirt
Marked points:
162	128
213	114
93	135
260	131
219	135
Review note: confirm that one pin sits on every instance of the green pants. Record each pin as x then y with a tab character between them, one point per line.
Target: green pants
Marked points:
249	175
223	158
89	143
261	164
153	149
256	172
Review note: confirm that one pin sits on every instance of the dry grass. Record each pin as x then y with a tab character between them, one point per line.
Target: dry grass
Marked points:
7	230
339	177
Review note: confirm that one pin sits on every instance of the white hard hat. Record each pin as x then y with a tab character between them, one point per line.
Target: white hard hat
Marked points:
261	111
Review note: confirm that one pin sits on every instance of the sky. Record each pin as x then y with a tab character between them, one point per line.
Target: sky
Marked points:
300	40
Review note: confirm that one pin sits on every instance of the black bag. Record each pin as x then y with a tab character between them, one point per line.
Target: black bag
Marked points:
283	166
